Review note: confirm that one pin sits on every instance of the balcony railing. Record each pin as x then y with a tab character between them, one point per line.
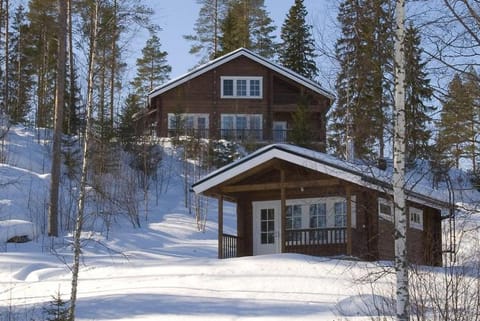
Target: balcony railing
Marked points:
192	132
229	248
242	134
320	236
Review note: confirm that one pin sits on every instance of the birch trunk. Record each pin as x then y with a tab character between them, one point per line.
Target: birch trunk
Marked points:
86	161
58	125
400	209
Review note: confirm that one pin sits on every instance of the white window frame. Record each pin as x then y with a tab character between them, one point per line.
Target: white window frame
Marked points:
195	116
415	218
330	210
248	128
387	203
248	92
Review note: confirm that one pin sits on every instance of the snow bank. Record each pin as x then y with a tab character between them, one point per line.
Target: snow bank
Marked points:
13	228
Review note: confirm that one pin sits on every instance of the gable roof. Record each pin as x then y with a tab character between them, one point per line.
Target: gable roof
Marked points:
241	52
419	189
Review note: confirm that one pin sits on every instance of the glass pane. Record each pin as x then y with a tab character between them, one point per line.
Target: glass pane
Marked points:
241	122
228	87
318	215
242	87
255	88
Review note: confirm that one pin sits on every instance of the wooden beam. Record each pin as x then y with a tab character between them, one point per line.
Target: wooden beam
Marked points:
220	227
279	186
283	210
349	219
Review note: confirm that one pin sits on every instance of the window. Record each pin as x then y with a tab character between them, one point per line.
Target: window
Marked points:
294	217
241	87
385	209
416	218
188	124
241	126
340	210
318	215
267	226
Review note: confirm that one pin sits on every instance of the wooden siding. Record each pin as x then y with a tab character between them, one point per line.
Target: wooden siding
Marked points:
203	95
372	236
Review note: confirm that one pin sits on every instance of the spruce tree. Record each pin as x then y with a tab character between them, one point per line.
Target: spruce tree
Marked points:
297	50
418	93
152	68
20	81
301	133
364	104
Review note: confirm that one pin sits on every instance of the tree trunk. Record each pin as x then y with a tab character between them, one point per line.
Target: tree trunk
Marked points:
86	161
400	209
113	65
7	71
71	98
58	125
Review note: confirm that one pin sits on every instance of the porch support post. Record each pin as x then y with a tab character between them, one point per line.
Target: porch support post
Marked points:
220	227
282	210
349	219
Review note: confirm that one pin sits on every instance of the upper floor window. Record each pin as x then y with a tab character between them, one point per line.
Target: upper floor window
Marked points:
416	218
241	87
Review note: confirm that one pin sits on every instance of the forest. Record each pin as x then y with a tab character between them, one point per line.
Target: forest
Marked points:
63	71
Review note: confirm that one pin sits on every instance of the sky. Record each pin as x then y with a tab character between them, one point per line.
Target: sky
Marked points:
177	18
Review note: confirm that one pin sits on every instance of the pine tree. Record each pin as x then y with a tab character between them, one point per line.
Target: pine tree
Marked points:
207	29
458	125
297	50
364	105
152	68
57	309
247	25
418	93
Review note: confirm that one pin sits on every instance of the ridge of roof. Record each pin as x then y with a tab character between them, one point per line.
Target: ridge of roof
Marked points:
235	54
366	175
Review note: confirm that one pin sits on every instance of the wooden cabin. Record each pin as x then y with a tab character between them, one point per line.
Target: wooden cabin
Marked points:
291	199
240	96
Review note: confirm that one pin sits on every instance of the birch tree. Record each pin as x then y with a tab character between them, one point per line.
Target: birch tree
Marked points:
401	259
86	158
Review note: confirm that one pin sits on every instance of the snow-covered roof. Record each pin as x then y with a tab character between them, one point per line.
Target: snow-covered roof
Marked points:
420	187
314	86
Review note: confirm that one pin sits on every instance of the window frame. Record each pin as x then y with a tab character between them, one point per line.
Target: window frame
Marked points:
248	122
387	203
414	212
249	89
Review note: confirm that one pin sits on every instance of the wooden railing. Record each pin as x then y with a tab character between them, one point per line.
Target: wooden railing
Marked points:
320	236
229	248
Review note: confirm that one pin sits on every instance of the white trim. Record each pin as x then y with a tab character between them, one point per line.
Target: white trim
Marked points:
235	84
382	202
415	218
233	55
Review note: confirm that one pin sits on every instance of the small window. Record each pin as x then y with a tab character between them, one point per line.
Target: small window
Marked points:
385	209
294	217
318	215
340	214
241	87
416	218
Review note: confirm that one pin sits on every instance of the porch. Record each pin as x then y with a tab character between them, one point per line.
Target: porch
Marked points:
319	241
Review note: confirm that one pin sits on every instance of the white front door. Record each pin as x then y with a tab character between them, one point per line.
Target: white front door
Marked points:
266	227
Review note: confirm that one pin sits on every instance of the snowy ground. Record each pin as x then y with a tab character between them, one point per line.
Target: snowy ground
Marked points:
165	270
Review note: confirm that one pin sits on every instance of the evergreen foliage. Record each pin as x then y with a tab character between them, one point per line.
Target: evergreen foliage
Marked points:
152	68
57	309
247	25
301	133
128	130
418	92
364	106
459	124
297	50
207	29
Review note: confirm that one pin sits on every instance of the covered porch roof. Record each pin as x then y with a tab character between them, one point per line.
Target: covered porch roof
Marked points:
224	181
